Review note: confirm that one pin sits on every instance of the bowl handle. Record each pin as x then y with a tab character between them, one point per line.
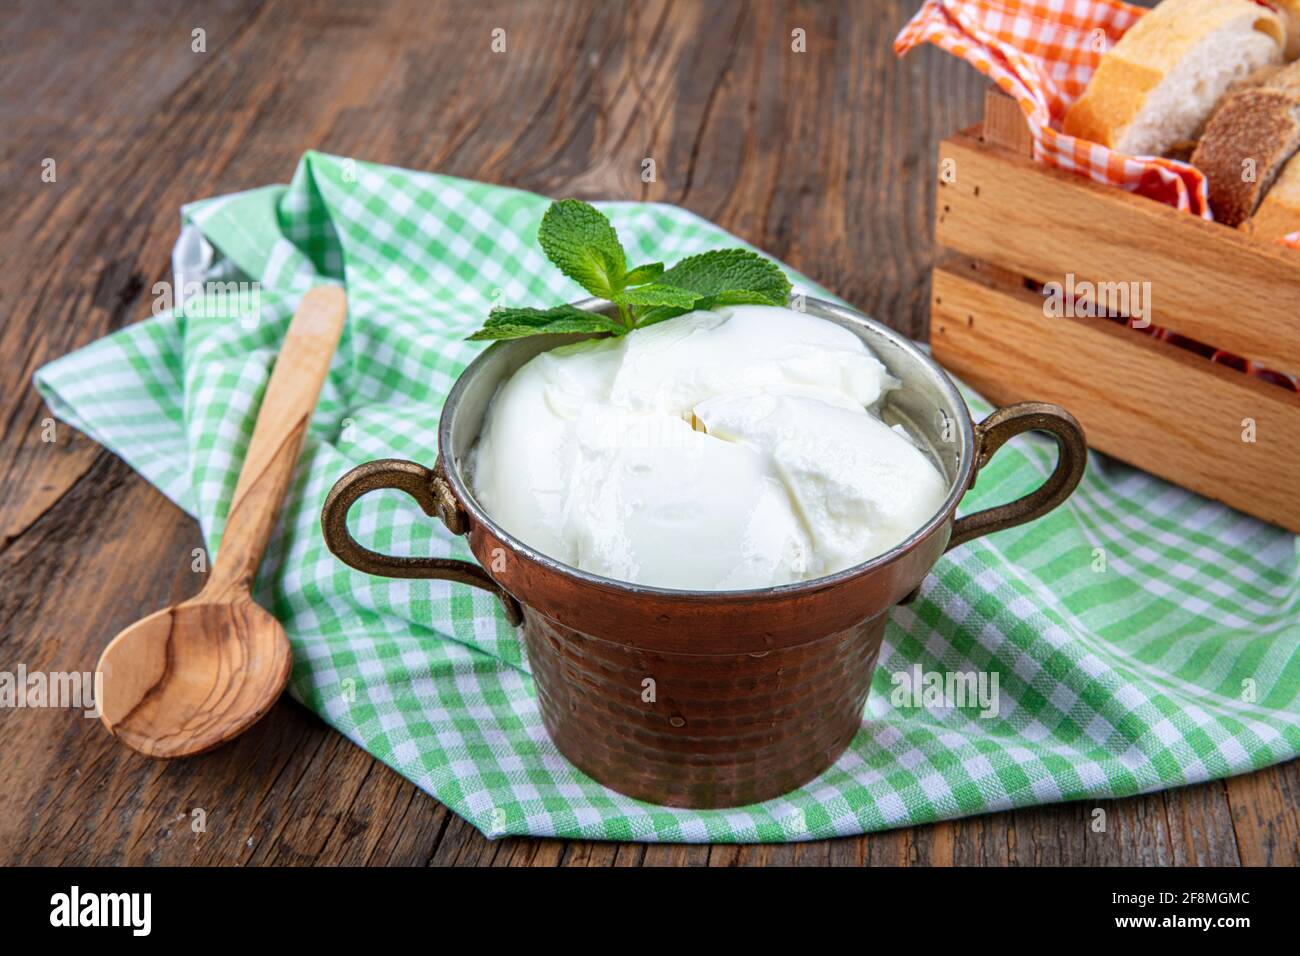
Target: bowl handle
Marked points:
429	488
992	433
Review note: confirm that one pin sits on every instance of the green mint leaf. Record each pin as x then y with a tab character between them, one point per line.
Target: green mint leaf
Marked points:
730	277
643	274
521	323
583	245
659	294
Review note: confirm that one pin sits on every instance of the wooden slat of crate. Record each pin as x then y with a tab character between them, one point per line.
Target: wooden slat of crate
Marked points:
1207	281
1166	410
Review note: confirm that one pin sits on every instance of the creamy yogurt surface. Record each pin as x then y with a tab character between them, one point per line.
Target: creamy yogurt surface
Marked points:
719	450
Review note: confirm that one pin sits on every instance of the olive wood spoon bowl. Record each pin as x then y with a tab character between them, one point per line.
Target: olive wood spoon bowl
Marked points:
193	676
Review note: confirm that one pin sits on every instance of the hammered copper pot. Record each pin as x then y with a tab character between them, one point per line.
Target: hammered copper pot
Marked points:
705	698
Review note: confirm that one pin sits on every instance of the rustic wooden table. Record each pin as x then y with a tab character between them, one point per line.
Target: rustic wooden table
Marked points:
823	158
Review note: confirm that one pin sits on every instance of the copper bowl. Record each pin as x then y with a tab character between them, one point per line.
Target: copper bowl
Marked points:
705	698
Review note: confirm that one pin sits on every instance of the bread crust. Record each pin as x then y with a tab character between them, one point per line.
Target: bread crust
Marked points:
1290	10
1279	214
1279	76
1146	53
1252	132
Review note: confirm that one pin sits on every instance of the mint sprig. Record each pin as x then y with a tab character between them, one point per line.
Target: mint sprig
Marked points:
519	323
584	246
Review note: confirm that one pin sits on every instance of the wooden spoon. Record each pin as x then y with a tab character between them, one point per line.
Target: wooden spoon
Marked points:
193	676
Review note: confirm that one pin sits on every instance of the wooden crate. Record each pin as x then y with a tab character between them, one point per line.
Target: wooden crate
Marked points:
1007	226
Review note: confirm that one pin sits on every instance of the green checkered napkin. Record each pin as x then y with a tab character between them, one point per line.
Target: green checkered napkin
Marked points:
1143	637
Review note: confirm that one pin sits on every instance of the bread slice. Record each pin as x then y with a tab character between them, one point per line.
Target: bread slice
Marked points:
1276	76
1247	142
1162	79
1279	214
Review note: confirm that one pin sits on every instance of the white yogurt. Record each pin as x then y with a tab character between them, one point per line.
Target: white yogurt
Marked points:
718	450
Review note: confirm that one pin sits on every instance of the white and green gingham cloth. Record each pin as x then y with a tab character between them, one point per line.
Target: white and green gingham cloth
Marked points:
1143	637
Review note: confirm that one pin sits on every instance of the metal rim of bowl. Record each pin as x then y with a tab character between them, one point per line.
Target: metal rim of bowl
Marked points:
846	315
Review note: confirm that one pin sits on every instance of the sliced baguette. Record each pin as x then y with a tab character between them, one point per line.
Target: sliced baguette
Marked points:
1274	77
1162	79
1247	142
1279	214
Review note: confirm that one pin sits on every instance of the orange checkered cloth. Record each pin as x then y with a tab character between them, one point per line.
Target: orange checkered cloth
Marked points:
1043	53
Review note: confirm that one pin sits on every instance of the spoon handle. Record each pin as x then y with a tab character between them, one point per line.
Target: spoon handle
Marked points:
287	406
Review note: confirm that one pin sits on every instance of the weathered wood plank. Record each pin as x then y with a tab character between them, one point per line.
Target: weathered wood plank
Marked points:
1196	278
1166	409
824	158
1266	815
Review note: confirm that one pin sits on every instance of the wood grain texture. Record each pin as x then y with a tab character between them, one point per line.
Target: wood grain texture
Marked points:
1204	280
1004	125
189	678
301	366
1154	405
826	159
